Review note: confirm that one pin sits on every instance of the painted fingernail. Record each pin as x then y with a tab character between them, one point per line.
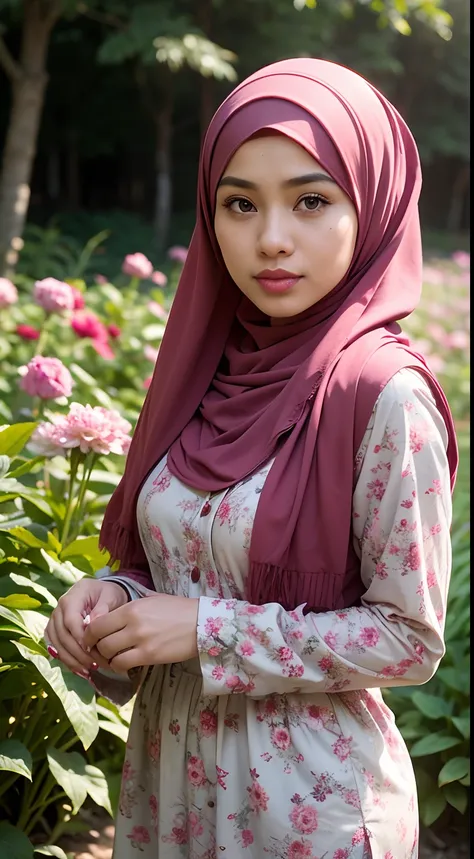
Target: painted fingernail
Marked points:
94	666
52	651
84	674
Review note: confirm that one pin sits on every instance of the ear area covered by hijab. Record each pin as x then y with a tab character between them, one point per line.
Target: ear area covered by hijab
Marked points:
230	391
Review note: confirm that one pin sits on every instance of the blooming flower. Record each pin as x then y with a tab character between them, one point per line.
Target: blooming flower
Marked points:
54	296
150	353
8	293
281	738
87	324
300	850
157	310
79	300
147	382
46	378
44	441
27	332
462	259
159	278
178	253
304	818
258	797
94	428
100	279
114	330
137	265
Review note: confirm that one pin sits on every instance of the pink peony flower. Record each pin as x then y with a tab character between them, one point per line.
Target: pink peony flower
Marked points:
8	293
87	324
281	738
300	850
304	818
258	797
178	253
46	378
157	310
54	296
79	300
196	772
100	279
93	428
137	265
159	278
139	835
45	439
462	259
27	332
147	382
114	330
457	340
208	722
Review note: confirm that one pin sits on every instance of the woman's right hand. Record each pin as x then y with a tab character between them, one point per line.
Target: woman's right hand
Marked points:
64	632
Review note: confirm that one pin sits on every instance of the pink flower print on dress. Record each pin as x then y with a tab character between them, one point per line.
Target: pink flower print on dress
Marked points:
213	625
360	836
369	636
285	654
258	797
139	836
247	837
281	739
196	773
304	818
342	748
195	826
341	853
245	648
300	850
417	440
208	723
218	672
414	556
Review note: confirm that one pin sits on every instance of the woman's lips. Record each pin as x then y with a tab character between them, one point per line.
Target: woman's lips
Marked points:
275	285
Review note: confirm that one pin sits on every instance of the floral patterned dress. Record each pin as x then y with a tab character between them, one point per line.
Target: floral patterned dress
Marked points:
276	741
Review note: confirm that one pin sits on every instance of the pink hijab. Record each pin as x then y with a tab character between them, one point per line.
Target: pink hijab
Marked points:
229	391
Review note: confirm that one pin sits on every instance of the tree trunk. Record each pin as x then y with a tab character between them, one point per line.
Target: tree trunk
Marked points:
204	17
29	81
458	196
163	164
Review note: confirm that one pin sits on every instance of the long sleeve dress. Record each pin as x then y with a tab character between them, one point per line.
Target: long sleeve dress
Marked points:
276	741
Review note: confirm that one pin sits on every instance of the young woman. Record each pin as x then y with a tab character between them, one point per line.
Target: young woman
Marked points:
282	525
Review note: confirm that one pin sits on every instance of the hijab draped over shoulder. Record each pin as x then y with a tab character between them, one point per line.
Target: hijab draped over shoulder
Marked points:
230	391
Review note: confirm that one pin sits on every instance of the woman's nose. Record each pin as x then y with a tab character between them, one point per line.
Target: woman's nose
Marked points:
275	236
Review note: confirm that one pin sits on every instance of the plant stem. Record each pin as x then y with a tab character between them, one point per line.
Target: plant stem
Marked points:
80	506
74	464
43	338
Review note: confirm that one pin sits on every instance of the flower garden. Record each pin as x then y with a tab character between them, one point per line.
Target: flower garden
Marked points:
76	359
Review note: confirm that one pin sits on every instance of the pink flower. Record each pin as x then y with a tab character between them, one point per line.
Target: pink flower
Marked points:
54	296
457	340
178	253
281	738
153	803
462	259
44	441
147	382
247	837
157	310
342	748
46	378
194	824
218	672
137	265
27	332
100	279
159	278
196	772
359	836
300	850
114	330
93	428
87	324
208	722
139	835
369	636
258	797
414	556
341	853
150	353
245	648
79	301
285	654
213	625
304	818
8	293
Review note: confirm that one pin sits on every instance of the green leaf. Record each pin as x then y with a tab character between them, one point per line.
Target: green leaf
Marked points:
19	601
115	728
42	539
431	705
432	807
78	778
75	694
87	547
15	757
14	843
454	770
66	769
432	744
14	438
23	581
27	466
4	464
457	796
463	724
65	572
455	679
153	332
51	850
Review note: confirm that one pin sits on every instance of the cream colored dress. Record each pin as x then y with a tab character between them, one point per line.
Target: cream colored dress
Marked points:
276	741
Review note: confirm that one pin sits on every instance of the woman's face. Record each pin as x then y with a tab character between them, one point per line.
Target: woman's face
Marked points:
286	230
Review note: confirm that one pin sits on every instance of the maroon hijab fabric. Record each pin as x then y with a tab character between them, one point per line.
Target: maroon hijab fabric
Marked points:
230	391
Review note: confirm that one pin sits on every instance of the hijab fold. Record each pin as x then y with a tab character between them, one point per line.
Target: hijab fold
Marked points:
230	391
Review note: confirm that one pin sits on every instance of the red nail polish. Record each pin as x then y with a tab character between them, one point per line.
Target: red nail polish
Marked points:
94	666
52	651
84	674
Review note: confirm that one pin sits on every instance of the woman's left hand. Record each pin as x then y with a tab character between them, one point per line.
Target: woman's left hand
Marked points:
153	630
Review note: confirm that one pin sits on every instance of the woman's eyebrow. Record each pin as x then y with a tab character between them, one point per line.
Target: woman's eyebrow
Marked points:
236	182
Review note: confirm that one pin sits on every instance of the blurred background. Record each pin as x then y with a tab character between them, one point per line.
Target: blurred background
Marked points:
103	106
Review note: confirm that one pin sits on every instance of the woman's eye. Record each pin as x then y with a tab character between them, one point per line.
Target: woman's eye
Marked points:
240	205
312	202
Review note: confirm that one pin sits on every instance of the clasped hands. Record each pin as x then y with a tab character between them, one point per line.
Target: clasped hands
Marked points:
121	634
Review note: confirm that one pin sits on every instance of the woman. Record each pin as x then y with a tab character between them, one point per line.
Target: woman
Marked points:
286	502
